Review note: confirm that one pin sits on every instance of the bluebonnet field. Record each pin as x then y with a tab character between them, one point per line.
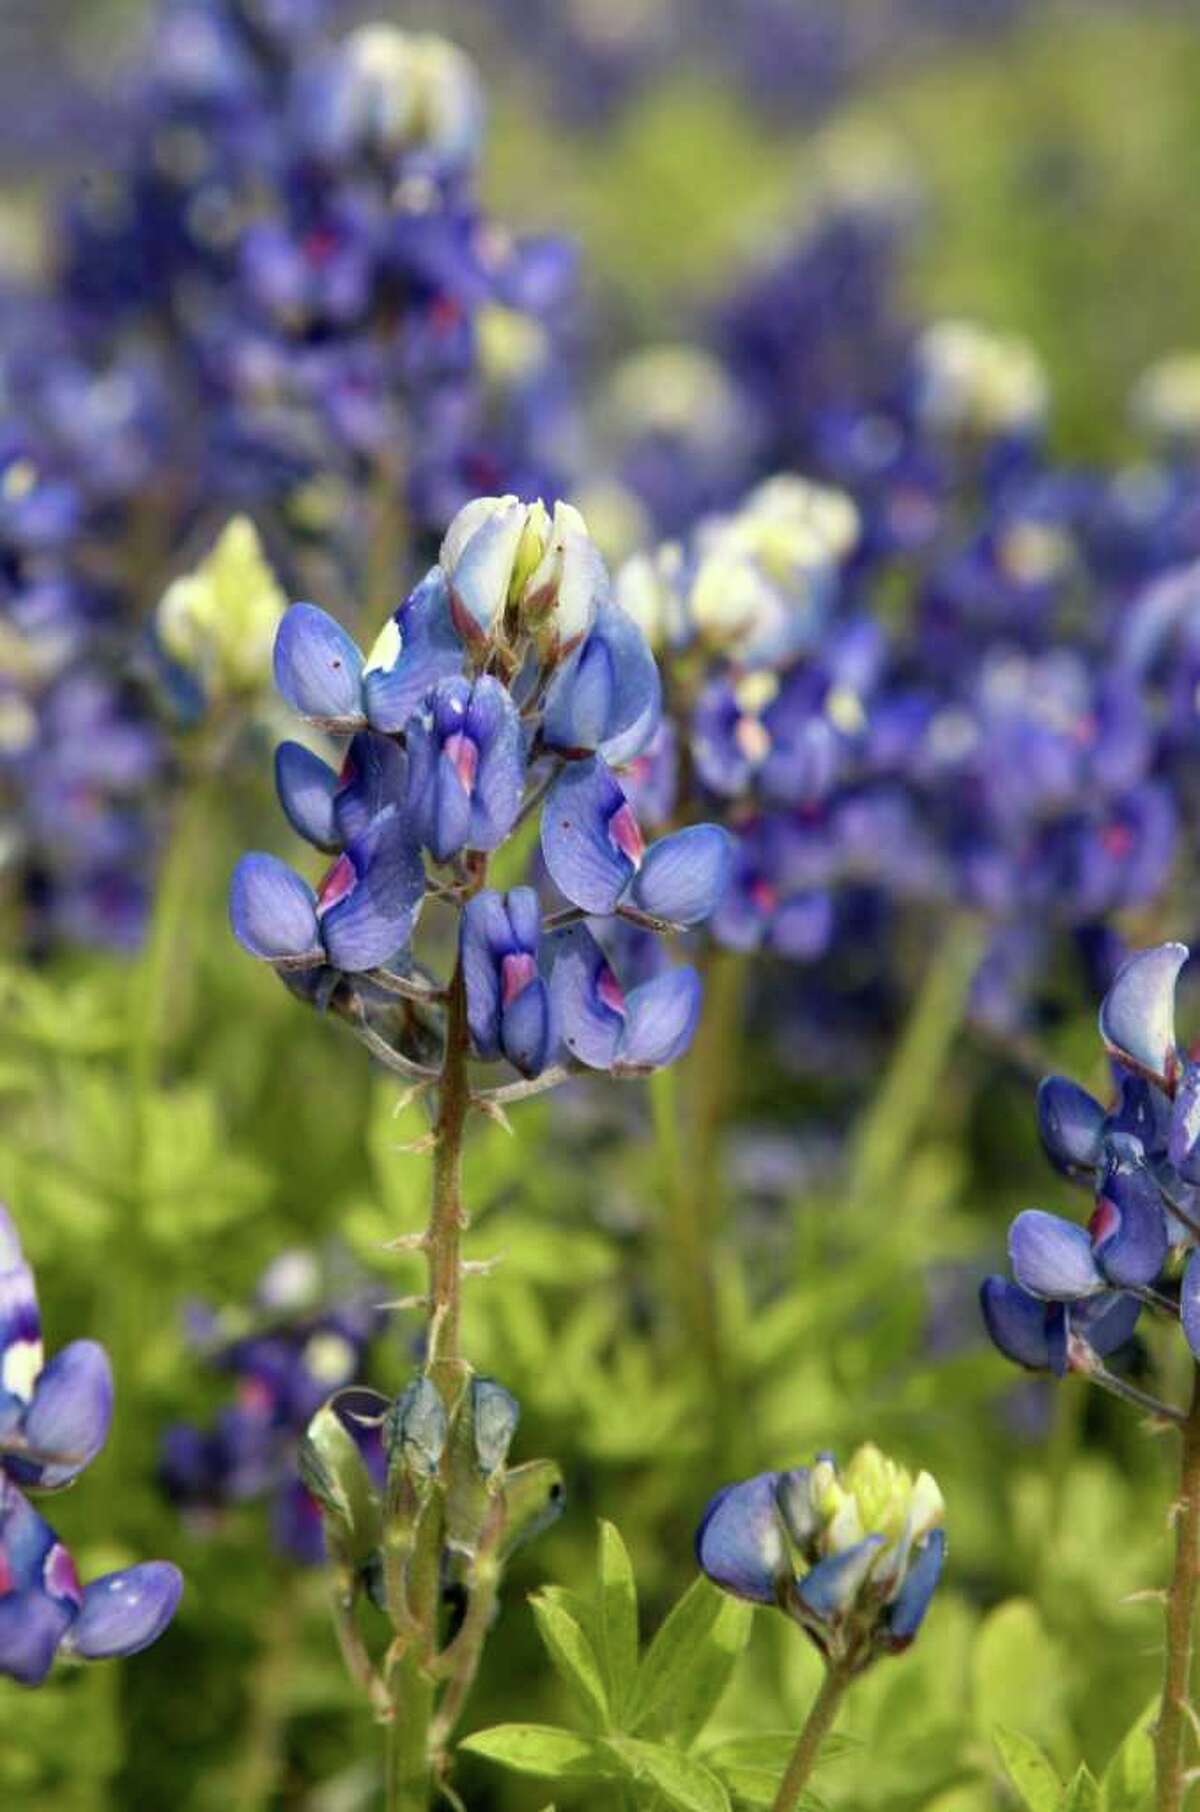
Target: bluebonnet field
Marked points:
600	774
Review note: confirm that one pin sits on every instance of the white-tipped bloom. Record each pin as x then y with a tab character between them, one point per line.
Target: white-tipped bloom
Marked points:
514	569
972	380
1166	398
219	622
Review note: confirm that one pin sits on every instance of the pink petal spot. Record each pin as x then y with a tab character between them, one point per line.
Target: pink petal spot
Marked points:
349	773
255	1395
6	1577
320	245
60	1576
464	758
764	896
1105	1221
516	973
625	831
609	991
1117	840
338	884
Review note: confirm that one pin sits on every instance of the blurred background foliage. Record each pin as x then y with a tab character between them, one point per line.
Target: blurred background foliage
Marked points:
1058	162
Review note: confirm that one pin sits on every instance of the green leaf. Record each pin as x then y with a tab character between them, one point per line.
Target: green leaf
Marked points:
617	1607
1018	1674
1129	1777
574	1657
1031	1774
688	1664
680	1779
542	1750
1082	1794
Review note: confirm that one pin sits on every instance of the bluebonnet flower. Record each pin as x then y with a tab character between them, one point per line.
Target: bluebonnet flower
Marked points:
1079	1290
287	1352
508	679
852	1555
54	1419
284	277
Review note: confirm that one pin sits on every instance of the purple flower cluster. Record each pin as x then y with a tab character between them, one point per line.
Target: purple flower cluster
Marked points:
54	1419
946	669
1077	1290
508	682
282	296
287	1355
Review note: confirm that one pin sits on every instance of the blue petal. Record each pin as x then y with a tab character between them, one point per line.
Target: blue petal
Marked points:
832	1585
1052	1258
908	1608
1105	1322
31	1628
126	1611
318	668
608	696
1030	1332
1183	1137
1189	1303
484	934
525	1028
493	724
305	785
587	1003
1071	1123
31	1556
683	877
69	1418
1129	1226
661	1020
374	775
740	1543
368	902
273	911
417	647
1137	1018
588	845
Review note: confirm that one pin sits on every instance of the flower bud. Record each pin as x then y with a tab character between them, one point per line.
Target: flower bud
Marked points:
220	621
852	1555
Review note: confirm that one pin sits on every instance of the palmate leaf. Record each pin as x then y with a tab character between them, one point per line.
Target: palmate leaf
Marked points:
1082	1793
679	1779
1129	1778
688	1664
1030	1772
617	1617
574	1658
543	1750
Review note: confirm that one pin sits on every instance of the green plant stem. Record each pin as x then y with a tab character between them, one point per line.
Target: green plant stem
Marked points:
411	1744
446	1217
887	1130
1175	1715
409	1770
817	1727
154	984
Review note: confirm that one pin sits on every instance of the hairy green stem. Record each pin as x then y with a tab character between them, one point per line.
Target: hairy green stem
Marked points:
817	1727
1176	1714
887	1130
411	1684
446	1218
